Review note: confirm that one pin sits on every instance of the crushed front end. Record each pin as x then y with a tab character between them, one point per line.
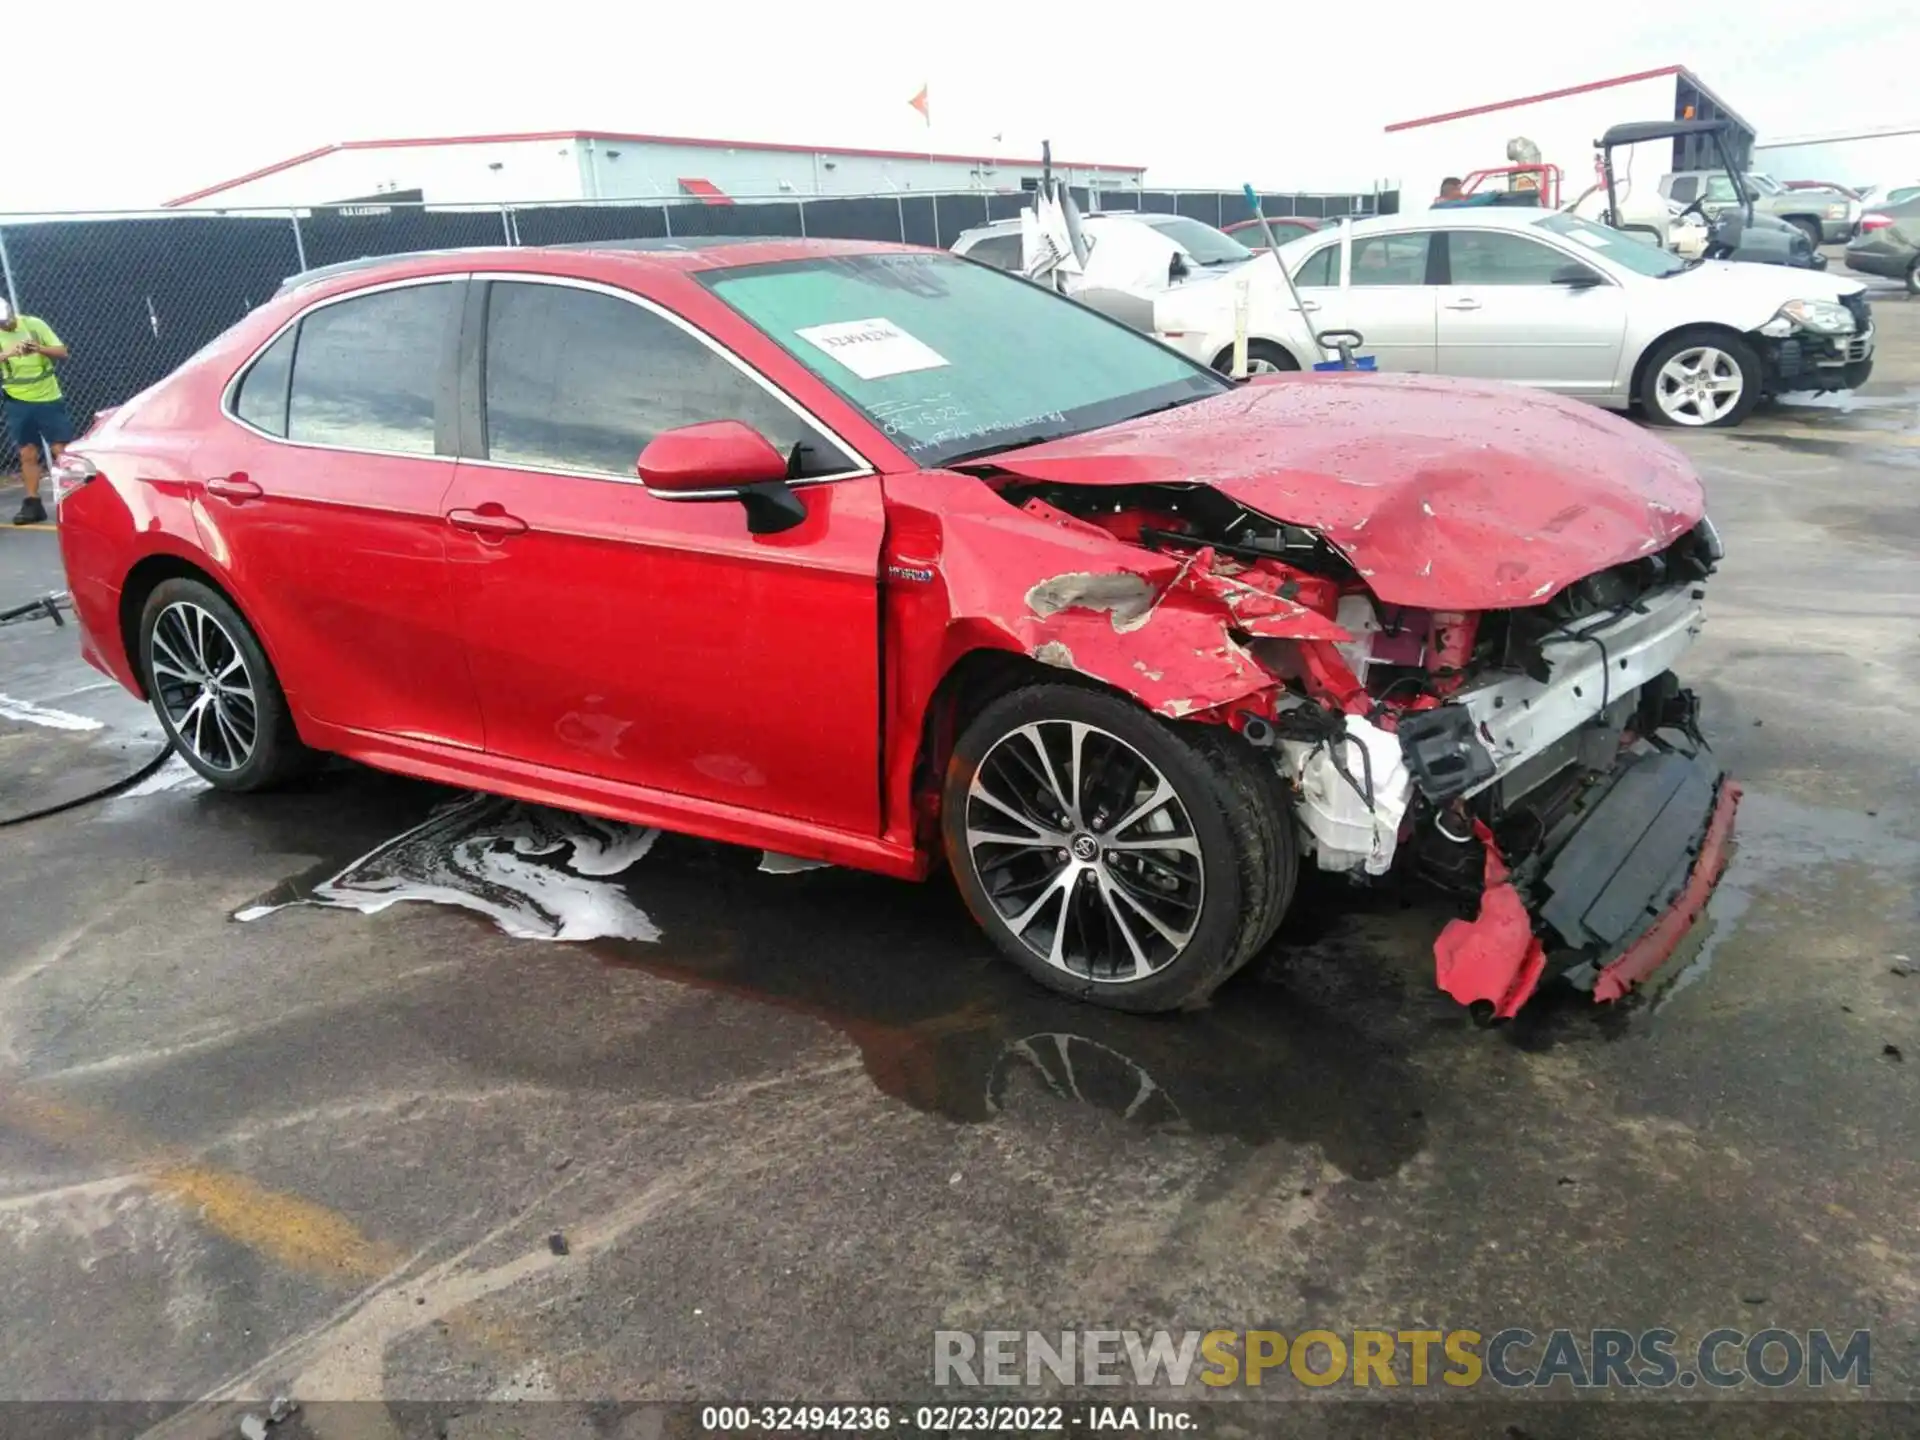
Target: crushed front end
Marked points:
1818	345
1543	763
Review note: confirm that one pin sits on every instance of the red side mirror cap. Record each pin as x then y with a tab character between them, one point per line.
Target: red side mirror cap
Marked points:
715	455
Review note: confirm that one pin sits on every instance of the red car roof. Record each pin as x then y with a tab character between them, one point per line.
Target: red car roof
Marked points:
609	257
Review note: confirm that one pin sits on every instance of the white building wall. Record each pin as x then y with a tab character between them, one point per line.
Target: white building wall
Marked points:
631	170
592	168
447	174
1888	161
1564	129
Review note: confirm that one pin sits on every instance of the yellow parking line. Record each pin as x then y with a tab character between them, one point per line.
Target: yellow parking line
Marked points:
290	1230
48	525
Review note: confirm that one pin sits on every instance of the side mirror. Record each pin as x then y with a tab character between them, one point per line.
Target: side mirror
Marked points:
723	460
1576	277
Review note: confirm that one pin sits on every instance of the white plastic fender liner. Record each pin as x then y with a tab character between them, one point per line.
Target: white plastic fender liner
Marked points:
1349	829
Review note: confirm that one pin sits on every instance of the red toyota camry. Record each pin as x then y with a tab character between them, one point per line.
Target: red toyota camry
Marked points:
877	556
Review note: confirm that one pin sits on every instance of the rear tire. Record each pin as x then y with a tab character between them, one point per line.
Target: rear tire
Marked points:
1263	358
215	692
1808	228
1701	379
1913	277
1139	863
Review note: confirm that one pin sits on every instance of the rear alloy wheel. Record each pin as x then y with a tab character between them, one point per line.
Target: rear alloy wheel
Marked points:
1913	277
1113	856
213	689
1263	358
1701	381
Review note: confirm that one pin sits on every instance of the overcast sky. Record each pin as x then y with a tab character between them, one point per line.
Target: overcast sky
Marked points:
167	99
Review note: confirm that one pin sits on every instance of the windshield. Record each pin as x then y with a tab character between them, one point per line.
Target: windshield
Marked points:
1620	248
952	359
1765	184
1205	244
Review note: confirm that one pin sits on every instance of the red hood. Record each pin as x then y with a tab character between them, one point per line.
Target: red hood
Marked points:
1445	494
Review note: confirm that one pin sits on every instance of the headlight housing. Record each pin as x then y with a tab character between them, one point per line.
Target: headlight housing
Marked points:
1836	212
1822	317
1709	535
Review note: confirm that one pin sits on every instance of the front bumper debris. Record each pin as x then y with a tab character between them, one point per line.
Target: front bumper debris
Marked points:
1615	886
1811	362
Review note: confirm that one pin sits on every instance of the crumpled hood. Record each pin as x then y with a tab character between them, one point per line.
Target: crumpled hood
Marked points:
1445	494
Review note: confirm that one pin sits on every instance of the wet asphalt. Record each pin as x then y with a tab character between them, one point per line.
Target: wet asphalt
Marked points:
329	1153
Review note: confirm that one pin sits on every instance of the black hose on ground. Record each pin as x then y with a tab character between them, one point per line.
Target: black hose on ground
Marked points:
77	801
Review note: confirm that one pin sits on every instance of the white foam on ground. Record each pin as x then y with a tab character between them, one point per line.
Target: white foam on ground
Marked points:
772	862
538	874
176	774
33	714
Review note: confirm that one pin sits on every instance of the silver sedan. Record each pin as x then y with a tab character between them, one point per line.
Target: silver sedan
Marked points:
1551	300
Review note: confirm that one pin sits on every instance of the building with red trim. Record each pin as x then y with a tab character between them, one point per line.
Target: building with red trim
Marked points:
565	165
1564	123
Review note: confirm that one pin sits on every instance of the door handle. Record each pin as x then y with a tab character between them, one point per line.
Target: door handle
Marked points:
489	520
1306	305
235	487
1463	304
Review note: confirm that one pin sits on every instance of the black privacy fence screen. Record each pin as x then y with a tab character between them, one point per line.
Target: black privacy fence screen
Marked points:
132	296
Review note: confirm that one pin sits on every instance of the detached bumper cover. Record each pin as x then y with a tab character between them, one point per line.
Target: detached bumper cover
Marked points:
1622	886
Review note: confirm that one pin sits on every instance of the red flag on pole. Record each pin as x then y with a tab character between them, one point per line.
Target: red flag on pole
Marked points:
919	102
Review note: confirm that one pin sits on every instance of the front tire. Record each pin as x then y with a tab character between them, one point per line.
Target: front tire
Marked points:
1111	855
214	690
1701	379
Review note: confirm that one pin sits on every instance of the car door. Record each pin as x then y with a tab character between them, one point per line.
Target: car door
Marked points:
657	642
1387	297
323	503
1518	309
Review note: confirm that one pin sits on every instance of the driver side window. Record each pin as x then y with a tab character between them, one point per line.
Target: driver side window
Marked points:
581	380
1685	188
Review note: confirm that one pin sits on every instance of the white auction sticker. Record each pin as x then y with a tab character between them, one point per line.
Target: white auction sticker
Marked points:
873	349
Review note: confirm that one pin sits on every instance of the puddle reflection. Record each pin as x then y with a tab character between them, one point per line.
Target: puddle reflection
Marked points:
940	1021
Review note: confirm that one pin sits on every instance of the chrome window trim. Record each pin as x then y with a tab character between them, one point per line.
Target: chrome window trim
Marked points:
862	467
232	392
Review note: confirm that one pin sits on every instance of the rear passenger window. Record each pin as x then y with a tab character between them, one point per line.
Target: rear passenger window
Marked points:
365	371
1390	260
579	380
1322	268
262	401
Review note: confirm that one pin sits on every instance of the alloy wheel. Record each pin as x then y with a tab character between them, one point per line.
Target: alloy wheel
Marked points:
1699	385
202	682
1262	367
1085	850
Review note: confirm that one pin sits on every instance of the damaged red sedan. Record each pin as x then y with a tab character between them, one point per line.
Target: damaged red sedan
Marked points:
881	557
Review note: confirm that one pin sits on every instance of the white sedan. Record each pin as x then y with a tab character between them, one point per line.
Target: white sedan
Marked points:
1551	300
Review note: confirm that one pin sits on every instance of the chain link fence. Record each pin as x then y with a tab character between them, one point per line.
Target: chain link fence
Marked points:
133	296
